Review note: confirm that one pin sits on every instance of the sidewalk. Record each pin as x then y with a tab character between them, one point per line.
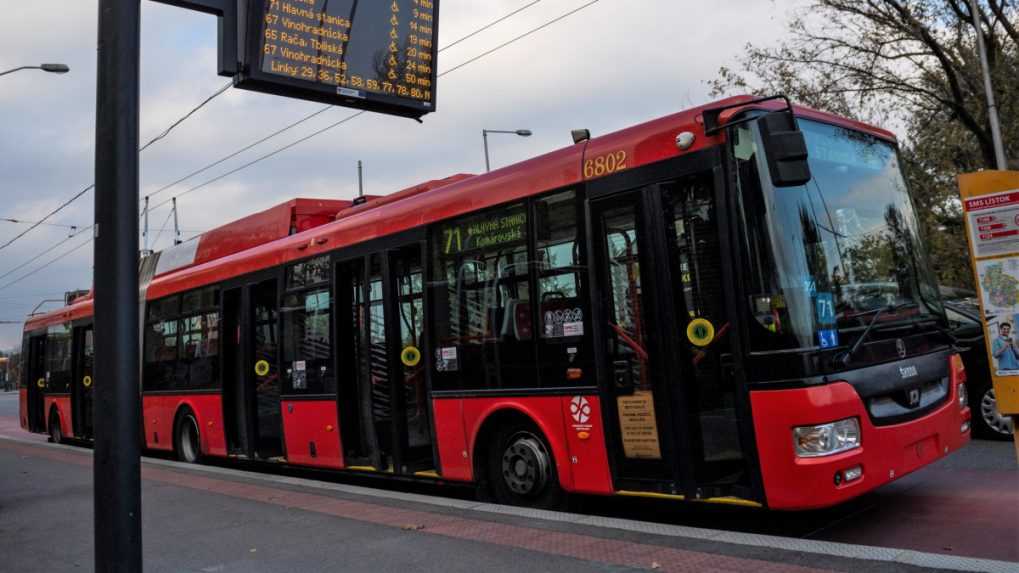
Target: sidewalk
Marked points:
200	518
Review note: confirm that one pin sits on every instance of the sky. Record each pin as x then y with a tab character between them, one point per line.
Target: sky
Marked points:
607	67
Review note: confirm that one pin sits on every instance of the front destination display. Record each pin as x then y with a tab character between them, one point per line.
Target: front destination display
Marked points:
379	55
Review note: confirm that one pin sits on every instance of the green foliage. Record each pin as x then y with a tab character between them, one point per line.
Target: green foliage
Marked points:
911	64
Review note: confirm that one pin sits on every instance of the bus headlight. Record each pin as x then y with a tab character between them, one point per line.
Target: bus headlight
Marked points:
826	439
963	397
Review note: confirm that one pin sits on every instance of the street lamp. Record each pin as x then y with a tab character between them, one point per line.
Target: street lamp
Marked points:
51	68
484	136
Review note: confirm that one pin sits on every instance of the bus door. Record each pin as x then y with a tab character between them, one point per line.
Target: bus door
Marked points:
36	377
82	382
637	408
674	408
383	409
238	396
251	383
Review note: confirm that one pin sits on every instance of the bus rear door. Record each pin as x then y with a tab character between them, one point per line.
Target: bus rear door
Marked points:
81	382
36	376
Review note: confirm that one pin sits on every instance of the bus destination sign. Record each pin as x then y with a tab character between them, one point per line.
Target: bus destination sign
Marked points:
378	55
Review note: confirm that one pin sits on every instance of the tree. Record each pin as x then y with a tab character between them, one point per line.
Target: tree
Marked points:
911	64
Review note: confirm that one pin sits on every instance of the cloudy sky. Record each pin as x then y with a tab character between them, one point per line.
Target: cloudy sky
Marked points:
611	65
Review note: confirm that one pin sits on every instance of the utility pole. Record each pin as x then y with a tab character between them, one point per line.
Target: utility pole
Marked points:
145	229
117	460
992	106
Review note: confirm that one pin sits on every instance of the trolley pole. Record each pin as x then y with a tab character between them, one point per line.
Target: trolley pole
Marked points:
117	465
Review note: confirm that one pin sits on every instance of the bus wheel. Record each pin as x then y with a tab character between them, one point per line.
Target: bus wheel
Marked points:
521	470
56	436
188	441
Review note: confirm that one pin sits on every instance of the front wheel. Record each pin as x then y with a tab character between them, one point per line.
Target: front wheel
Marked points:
521	469
188	440
989	421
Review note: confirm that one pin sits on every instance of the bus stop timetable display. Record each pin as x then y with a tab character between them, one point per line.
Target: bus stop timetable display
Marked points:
370	54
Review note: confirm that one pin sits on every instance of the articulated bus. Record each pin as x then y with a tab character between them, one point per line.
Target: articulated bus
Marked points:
731	304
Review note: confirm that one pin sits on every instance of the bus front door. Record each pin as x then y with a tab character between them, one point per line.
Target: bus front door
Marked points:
636	409
36	378
82	382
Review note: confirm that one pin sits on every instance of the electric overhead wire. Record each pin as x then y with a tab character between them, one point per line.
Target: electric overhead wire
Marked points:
47	264
193	111
44	253
290	126
360	113
43	223
79	194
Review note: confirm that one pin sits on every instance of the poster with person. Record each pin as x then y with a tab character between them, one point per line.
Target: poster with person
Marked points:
1000	293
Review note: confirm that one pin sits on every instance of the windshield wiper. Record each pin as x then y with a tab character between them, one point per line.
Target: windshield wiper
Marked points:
844	358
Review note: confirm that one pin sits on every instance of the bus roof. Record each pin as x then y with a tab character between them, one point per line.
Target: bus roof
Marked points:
302	228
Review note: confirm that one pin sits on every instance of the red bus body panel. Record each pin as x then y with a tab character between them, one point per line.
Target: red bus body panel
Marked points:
63	405
23	407
886	453
160	412
454	457
306	422
581	461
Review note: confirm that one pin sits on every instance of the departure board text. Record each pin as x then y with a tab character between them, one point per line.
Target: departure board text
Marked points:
354	49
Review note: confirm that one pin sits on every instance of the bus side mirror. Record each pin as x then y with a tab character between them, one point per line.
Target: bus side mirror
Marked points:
786	149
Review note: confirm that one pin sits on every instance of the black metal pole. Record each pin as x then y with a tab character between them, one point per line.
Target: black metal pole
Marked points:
117	465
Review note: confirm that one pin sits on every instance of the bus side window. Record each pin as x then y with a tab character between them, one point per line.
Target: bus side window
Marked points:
161	343
482	301
58	359
198	368
307	338
563	355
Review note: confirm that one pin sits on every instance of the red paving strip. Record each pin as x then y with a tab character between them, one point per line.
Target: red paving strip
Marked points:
582	547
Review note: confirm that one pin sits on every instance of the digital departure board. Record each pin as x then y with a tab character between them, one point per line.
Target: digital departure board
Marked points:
378	55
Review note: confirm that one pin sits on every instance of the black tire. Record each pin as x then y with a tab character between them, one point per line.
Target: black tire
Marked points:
187	442
521	469
987	422
56	434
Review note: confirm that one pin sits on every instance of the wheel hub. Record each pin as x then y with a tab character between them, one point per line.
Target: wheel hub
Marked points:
525	465
993	419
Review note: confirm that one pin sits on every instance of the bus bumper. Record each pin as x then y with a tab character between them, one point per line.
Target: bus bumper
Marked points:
886	453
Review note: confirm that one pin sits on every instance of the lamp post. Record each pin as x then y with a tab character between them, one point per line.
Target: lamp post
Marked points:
992	107
484	136
51	68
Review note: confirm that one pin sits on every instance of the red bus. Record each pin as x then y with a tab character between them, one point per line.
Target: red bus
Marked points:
731	304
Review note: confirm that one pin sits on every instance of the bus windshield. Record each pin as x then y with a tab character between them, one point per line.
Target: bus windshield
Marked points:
823	258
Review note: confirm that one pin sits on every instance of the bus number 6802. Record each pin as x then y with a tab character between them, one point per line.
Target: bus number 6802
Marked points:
605	164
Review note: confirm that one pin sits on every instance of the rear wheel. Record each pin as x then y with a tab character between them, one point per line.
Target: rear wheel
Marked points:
989	421
521	469
56	435
188	440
